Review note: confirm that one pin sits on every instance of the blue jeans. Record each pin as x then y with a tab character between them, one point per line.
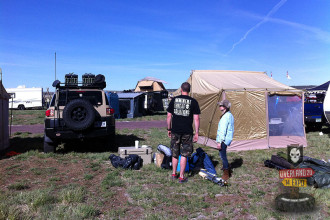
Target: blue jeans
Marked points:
223	155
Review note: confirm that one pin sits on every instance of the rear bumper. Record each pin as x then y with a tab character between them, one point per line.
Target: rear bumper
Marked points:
55	130
313	119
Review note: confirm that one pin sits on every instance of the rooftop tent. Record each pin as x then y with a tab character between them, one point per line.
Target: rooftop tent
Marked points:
149	84
267	113
4	111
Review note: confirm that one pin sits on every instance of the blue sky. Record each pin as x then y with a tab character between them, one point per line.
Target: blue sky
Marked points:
129	40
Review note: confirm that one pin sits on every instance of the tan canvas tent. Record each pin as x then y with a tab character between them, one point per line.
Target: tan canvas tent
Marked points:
4	111
267	113
149	84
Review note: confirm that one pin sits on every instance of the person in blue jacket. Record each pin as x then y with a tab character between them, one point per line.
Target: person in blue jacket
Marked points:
225	135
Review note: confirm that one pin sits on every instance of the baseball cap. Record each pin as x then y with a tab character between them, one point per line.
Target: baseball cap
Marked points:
225	103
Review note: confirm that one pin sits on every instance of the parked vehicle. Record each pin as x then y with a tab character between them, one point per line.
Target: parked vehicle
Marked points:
79	111
313	111
24	98
326	105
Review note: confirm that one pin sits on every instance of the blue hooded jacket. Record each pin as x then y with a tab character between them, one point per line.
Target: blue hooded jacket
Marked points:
207	162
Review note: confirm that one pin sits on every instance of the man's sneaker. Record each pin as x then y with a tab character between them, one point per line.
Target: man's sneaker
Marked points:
183	180
174	176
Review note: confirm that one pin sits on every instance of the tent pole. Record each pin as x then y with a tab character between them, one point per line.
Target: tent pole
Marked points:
209	126
191	93
303	114
267	117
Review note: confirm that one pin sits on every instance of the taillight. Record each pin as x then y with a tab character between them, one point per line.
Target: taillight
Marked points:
49	112
110	111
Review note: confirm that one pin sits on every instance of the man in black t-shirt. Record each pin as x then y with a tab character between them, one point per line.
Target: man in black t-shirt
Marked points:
181	113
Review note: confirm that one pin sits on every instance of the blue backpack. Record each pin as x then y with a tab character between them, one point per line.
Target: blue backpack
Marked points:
178	167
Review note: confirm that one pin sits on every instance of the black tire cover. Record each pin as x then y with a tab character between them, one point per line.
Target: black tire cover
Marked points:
79	114
305	202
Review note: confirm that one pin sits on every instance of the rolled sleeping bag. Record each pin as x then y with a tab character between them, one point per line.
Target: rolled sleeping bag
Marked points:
166	150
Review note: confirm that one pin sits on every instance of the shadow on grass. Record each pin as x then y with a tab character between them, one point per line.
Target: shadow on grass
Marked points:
98	146
238	162
24	144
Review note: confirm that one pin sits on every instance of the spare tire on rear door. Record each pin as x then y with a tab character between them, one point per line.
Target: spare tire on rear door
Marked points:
79	114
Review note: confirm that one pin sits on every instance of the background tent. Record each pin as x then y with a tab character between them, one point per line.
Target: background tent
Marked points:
267	113
321	88
4	111
131	104
149	84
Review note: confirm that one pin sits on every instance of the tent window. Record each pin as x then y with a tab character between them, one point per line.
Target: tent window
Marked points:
146	88
285	116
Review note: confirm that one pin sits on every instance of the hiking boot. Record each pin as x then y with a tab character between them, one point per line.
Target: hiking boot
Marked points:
225	175
230	172
183	180
174	176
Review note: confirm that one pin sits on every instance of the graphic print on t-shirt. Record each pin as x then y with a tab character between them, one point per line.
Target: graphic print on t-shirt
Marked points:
182	106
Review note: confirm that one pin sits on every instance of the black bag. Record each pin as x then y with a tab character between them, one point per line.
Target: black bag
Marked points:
281	161
116	161
270	164
167	162
132	161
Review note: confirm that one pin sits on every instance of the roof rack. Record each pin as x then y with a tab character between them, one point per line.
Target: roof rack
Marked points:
89	81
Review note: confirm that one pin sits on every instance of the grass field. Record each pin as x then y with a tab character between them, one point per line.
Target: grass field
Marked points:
30	117
81	183
26	117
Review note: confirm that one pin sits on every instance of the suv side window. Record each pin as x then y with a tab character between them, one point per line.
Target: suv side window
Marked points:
94	97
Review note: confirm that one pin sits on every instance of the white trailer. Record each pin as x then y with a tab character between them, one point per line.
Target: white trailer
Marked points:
23	98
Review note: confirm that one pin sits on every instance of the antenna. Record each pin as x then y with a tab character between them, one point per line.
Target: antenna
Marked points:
55	65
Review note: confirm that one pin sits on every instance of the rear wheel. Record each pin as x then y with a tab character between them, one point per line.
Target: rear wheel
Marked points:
21	107
79	114
49	146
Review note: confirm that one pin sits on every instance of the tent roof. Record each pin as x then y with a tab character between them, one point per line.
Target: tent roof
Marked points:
211	81
149	78
322	87
3	92
129	95
145	83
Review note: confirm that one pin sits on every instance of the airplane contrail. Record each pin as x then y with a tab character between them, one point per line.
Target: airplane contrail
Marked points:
257	25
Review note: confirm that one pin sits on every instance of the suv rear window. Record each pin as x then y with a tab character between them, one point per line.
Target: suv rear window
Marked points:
94	97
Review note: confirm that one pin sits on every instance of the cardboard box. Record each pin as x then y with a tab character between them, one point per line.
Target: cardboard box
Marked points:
144	152
159	157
